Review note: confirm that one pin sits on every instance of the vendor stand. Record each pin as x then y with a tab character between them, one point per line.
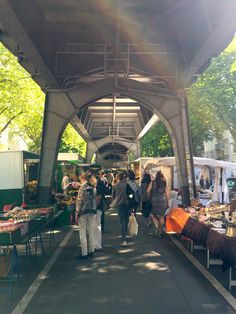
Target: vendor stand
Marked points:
211	229
17	168
19	227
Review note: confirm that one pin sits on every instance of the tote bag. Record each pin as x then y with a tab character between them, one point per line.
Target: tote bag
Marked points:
133	225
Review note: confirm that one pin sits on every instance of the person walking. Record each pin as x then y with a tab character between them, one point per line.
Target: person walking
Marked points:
136	190
120	203
146	204
86	210
157	193
100	198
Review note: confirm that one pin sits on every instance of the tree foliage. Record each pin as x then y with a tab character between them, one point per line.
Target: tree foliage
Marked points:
22	106
156	142
21	102
71	142
212	100
212	108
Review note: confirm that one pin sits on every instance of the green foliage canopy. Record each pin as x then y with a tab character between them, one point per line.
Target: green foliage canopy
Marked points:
212	100
22	106
72	142
21	102
212	108
156	142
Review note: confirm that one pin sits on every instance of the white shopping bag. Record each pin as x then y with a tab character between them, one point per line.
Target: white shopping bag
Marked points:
133	225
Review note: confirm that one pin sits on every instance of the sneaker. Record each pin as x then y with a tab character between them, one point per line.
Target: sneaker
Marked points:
83	257
124	243
99	248
91	255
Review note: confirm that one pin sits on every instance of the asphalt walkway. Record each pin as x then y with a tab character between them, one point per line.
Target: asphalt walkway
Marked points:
148	276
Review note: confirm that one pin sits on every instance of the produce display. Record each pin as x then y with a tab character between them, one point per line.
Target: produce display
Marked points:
32	186
213	212
218	244
13	219
8	226
12	212
20	215
45	210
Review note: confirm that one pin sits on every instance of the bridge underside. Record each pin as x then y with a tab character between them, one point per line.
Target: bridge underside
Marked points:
112	68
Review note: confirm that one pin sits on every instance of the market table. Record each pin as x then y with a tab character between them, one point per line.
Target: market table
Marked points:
211	259
232	282
26	240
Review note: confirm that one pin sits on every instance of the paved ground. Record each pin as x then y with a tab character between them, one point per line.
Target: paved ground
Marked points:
149	276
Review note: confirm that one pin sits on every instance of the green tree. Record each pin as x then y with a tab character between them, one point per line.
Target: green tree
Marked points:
212	108
22	106
72	142
156	142
212	100
21	102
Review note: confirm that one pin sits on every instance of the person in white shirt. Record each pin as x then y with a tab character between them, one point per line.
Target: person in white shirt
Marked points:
65	182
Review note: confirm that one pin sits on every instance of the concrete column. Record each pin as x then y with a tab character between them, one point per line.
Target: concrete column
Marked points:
57	112
99	159
171	110
188	146
90	151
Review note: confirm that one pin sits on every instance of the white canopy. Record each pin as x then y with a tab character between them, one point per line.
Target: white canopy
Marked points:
198	161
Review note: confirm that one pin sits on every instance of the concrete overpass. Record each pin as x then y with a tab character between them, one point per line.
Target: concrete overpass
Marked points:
112	67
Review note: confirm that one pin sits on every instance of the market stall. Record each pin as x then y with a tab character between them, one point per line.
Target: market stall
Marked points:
216	171
20	226
212	229
17	168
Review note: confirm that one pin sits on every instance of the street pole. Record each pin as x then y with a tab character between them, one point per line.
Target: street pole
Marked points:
190	150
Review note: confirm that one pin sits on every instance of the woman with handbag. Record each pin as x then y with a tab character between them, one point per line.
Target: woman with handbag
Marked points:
157	194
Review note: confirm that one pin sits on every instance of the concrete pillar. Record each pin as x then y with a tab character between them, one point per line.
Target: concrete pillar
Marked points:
99	159
90	151
57	112
188	146
171	109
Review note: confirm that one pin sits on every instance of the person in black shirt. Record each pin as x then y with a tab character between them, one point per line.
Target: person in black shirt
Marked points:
99	223
201	182
121	204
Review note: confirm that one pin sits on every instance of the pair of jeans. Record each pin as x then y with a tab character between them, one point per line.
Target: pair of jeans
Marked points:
97	230
124	213
86	226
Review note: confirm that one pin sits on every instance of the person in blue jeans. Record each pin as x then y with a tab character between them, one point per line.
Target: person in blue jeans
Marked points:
86	210
121	204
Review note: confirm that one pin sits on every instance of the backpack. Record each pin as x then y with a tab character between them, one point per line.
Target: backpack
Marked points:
133	196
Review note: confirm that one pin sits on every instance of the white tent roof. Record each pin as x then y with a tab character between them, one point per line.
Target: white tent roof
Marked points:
170	161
